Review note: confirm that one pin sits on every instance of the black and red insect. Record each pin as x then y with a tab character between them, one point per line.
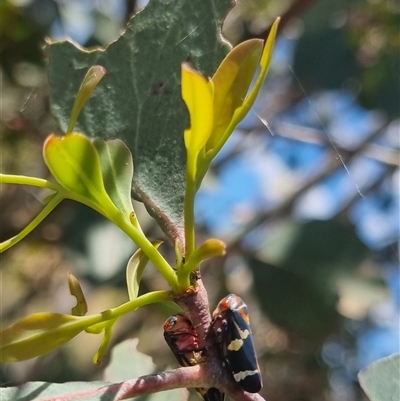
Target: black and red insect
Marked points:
231	326
183	341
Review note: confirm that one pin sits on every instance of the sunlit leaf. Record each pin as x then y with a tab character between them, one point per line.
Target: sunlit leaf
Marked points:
74	163
39	334
139	99
104	343
210	248
134	271
381	379
91	80
197	93
231	84
178	253
96	328
266	56
117	169
75	289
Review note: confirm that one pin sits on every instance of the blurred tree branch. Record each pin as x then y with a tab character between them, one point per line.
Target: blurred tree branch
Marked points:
371	186
296	9
314	136
338	159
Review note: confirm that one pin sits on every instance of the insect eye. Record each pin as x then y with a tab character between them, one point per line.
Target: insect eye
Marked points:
224	304
170	323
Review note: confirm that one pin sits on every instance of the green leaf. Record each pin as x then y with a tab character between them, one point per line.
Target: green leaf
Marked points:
317	248
97	328
40	333
134	271
82	391
139	99
127	362
302	262
231	83
209	249
42	391
117	169
89	83
297	303
265	60
381	379
75	164
75	289
197	93
104	343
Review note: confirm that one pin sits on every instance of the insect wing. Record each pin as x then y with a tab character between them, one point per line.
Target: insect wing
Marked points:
182	339
181	357
231	326
240	353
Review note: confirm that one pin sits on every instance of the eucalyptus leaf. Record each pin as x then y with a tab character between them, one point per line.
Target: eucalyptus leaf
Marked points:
82	391
40	333
381	379
127	362
134	271
138	100
75	164
296	272
197	93
91	80
231	83
117	168
76	290
101	352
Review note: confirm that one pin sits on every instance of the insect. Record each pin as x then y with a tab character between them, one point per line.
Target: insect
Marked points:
231	325
183	341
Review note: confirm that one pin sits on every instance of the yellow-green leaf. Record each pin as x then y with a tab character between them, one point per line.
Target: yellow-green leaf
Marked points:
117	168
76	290
134	271
74	162
266	56
104	343
40	333
210	248
198	96
91	80
96	328
231	84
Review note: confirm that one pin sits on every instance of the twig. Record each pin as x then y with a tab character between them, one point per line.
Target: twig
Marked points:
192	376
196	306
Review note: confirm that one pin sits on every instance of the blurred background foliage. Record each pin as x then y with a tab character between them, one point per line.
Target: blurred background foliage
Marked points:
305	194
